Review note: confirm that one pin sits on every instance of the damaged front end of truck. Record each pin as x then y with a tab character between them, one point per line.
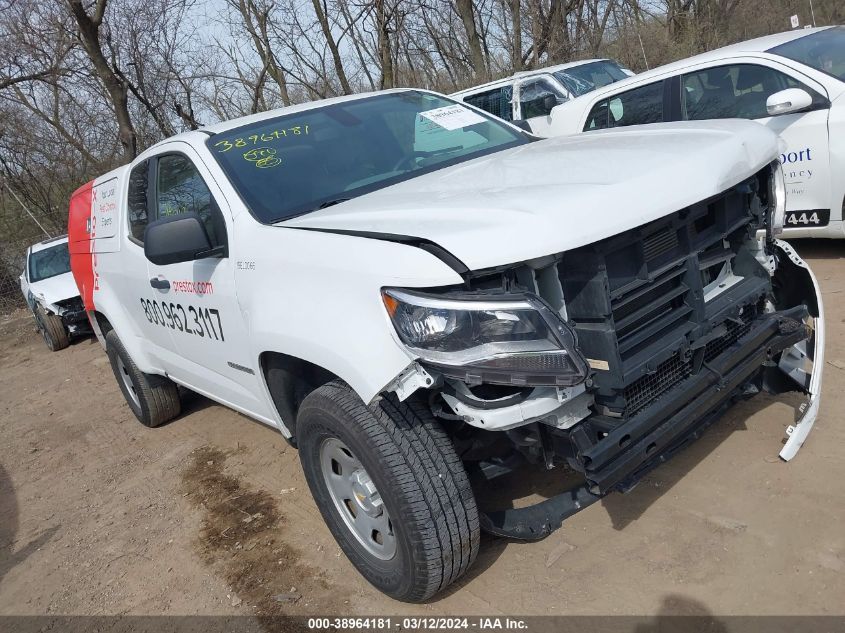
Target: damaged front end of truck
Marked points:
610	358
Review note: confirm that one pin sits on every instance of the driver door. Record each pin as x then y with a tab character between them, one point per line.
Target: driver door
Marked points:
197	299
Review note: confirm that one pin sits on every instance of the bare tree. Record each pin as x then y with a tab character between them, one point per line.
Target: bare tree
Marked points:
256	16
321	10
466	11
89	36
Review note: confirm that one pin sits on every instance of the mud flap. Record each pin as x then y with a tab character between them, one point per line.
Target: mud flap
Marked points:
803	363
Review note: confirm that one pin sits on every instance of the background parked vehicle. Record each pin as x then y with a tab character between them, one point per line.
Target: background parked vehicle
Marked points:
529	96
51	293
793	83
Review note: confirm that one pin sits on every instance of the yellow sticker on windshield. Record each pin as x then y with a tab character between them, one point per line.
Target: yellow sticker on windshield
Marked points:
263	157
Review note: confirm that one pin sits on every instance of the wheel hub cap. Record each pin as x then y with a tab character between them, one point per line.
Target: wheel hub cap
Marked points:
357	499
365	493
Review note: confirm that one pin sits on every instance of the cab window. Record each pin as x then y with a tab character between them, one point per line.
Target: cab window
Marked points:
137	200
532	98
181	189
497	102
634	107
735	91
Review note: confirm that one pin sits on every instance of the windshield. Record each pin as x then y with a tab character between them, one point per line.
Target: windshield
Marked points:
582	79
824	51
297	163
49	263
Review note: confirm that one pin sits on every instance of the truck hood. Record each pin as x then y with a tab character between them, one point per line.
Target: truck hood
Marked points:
557	194
54	289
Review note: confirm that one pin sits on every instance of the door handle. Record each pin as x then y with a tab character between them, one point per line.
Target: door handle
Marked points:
160	284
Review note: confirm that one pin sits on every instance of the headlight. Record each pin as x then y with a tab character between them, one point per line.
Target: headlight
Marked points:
514	339
777	200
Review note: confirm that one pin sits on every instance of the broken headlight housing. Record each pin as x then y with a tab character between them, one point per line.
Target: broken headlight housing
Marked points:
777	200
503	339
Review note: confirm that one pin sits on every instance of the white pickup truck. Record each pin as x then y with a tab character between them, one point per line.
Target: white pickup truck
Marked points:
422	297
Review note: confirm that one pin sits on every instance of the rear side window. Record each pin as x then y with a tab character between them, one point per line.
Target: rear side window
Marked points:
497	102
137	200
635	107
181	189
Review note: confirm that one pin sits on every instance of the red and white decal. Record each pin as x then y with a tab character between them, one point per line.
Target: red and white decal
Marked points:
81	229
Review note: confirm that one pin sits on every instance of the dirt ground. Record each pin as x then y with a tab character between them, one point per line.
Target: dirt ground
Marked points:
210	514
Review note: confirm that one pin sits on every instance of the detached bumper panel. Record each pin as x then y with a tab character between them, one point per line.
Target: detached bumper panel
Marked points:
813	352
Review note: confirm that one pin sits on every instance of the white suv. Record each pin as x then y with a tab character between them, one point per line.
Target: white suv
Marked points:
528	97
421	296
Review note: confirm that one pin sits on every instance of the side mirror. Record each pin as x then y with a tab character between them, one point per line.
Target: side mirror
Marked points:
788	101
549	102
178	238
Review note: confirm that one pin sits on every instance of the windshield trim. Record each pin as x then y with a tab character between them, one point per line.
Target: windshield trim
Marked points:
521	137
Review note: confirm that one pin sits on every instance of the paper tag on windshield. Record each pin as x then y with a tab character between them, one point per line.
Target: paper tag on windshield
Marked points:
452	117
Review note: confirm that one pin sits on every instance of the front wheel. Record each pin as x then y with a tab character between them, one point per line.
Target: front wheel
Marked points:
52	329
391	489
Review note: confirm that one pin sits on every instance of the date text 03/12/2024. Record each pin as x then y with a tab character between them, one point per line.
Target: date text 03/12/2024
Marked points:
481	623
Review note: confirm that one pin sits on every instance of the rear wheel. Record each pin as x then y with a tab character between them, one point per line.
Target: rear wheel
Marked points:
391	489
52	329
153	399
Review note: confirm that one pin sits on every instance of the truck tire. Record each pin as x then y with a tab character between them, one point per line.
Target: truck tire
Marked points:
391	489
52	329
153	399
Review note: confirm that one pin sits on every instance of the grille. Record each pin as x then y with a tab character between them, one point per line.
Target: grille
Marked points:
660	243
736	331
651	387
638	297
644	313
